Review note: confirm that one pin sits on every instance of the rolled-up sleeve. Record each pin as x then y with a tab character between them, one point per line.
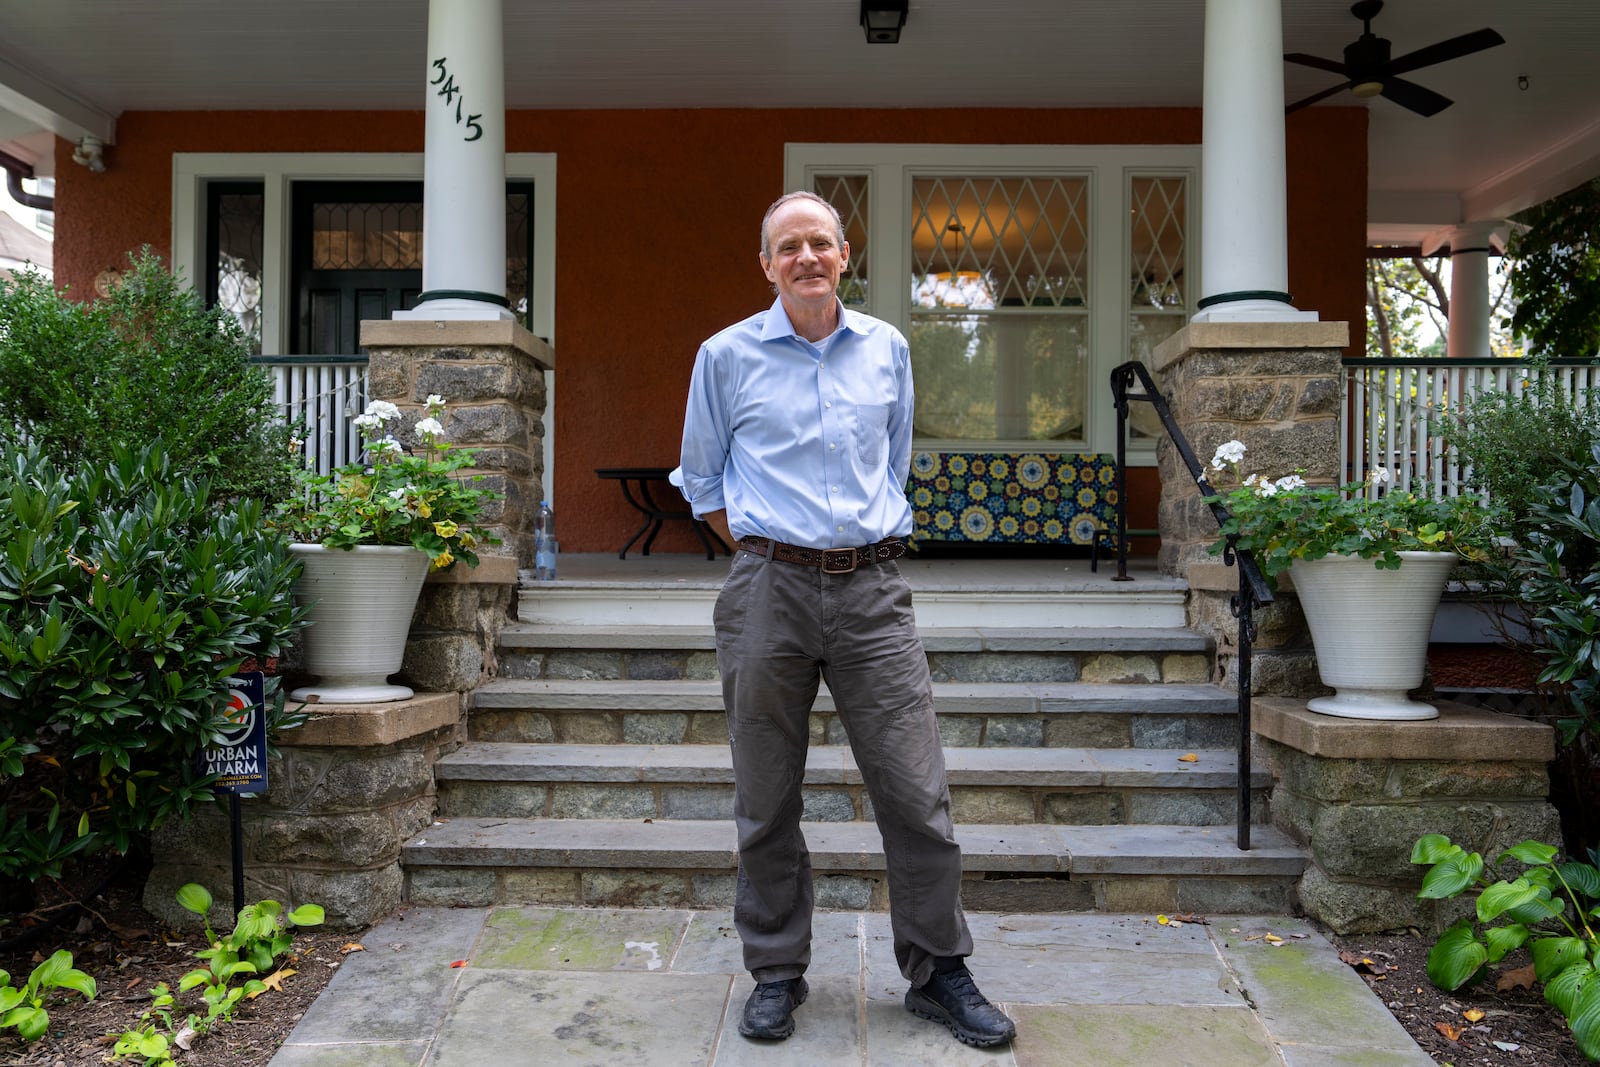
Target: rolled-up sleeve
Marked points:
705	437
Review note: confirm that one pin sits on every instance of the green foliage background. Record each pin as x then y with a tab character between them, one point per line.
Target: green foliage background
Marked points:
78	379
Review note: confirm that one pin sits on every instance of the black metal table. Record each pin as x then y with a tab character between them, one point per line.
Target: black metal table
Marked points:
635	482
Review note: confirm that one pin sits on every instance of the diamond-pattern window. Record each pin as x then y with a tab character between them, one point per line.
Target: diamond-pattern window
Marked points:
1156	243
984	242
1000	307
848	195
366	236
1158	303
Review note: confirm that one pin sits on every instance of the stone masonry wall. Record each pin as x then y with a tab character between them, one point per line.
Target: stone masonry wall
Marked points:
1358	794
346	791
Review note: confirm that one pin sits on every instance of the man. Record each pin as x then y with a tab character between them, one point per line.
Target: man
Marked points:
796	445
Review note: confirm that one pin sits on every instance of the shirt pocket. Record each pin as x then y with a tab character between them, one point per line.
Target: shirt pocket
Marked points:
872	432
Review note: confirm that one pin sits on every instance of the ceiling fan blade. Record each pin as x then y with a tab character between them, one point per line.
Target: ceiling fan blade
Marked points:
1454	48
1329	65
1312	99
1414	97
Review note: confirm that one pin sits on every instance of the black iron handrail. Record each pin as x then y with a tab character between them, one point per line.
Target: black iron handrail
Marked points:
1253	591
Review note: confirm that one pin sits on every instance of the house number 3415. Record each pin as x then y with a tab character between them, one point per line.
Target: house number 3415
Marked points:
453	97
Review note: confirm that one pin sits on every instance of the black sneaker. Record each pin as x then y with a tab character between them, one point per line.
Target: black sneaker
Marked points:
951	997
769	1013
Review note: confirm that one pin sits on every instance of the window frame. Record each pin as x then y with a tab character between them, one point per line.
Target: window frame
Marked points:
1109	169
192	172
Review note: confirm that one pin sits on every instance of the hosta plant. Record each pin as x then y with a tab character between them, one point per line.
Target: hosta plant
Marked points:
1552	908
23	1006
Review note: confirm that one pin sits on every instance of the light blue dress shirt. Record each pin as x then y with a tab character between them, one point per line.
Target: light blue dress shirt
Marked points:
808	444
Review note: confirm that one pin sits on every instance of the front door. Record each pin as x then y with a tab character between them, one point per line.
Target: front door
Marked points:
357	254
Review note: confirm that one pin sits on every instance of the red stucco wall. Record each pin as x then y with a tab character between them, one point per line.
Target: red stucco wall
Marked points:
658	215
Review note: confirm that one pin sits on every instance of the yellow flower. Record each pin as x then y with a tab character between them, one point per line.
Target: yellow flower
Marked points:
445	529
443	560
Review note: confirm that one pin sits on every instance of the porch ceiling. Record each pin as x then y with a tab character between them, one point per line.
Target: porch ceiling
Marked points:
73	65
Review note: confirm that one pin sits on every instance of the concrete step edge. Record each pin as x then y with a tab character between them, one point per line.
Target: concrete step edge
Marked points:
692	764
1066	639
990	698
854	846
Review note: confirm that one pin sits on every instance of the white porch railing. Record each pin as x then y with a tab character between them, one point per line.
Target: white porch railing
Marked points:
321	395
1394	411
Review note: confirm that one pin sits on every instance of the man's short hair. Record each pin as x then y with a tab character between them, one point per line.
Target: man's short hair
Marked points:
799	194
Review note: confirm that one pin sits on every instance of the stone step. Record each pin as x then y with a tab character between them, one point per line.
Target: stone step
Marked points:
1154	601
987	785
968	653
971	714
692	863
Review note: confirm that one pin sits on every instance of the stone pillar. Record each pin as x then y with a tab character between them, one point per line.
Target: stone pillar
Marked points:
1277	388
491	374
1244	257
464	165
1359	793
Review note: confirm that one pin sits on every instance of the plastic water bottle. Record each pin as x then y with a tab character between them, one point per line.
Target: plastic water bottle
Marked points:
545	545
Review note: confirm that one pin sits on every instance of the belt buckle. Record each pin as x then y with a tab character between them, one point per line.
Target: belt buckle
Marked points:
838	560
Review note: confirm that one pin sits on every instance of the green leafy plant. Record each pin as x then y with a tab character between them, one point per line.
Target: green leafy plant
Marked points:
397	497
147	1041
127	599
260	936
1282	520
1553	908
23	1007
78	379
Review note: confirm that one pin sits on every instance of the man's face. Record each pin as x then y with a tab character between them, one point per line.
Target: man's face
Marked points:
806	256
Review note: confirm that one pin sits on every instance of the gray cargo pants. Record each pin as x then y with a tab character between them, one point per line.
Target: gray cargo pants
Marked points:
779	626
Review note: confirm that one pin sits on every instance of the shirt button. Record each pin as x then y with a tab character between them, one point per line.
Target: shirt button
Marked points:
839	528
827	403
836	489
832	446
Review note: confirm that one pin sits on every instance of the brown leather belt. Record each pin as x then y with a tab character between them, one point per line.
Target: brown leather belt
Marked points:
831	560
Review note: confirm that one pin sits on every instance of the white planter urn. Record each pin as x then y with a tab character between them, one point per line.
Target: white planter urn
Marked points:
360	603
1370	628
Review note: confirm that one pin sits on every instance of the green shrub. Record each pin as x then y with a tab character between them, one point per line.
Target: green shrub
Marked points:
150	360
126	600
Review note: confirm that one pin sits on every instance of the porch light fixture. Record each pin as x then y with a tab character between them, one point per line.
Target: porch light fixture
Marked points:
90	153
882	19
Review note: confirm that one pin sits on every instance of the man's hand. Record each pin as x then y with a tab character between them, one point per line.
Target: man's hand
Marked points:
718	521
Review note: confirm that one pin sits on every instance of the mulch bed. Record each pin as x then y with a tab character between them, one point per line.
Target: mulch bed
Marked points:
127	952
1516	1027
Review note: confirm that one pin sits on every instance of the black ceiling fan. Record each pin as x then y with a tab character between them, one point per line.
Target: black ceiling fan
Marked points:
1370	70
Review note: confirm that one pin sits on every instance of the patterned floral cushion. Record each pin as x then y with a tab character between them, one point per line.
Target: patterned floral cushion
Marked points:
1029	498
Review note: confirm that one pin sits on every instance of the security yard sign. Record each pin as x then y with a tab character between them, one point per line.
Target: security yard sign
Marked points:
238	757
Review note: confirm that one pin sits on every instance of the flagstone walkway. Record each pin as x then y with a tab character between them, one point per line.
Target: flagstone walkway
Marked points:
495	987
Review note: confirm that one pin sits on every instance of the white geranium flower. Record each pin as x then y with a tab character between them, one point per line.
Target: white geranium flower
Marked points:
398	494
387	448
1228	454
1266	488
427	428
368	422
383	411
434	404
1293	481
1379	476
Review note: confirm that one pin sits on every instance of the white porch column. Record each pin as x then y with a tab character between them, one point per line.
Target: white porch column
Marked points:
1244	252
1470	247
464	173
